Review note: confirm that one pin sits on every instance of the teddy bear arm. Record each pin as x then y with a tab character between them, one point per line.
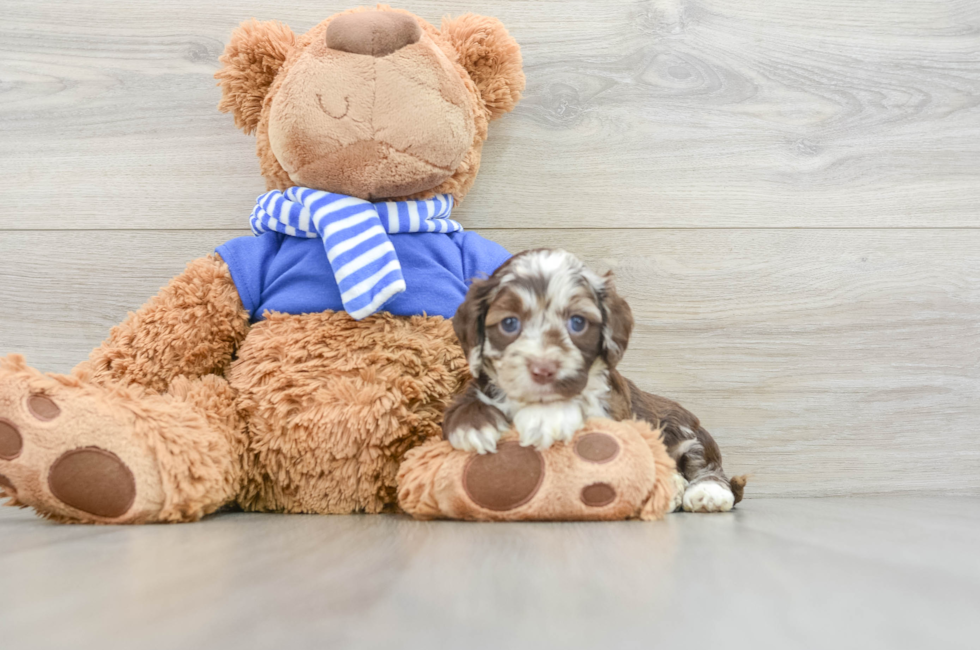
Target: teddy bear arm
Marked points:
192	327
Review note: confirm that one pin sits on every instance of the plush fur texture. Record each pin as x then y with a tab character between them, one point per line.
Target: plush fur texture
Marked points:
186	407
250	63
192	328
435	480
492	58
332	406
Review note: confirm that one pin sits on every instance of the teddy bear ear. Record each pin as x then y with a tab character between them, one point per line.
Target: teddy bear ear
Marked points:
250	62
491	56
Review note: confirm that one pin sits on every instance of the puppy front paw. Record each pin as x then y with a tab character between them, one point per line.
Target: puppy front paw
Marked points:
542	425
470	424
708	496
680	487
482	440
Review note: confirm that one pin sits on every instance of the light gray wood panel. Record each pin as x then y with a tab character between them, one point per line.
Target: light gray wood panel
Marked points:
889	573
664	113
825	362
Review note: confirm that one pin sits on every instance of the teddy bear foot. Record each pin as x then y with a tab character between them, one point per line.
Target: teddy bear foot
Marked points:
609	470
69	450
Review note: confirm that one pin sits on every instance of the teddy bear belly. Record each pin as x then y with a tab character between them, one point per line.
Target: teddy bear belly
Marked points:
332	405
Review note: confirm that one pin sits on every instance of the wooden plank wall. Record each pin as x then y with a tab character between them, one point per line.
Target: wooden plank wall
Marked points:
788	191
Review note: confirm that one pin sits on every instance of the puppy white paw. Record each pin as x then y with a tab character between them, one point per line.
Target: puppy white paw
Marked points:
708	496
482	441
680	485
542	425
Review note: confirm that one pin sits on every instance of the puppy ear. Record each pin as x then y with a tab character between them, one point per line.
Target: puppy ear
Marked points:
250	62
469	323
617	322
491	56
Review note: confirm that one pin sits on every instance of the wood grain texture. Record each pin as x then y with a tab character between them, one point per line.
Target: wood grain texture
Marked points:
824	361
886	573
666	113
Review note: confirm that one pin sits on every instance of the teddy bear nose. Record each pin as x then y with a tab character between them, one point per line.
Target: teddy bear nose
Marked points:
377	33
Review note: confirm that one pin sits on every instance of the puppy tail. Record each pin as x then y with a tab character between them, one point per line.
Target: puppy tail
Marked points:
738	486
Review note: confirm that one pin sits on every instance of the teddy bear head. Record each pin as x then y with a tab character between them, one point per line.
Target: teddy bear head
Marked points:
374	103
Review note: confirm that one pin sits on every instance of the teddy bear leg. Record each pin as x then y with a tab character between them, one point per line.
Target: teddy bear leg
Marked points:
609	470
79	452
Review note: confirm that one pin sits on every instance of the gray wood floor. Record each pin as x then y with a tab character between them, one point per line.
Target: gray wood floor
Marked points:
873	572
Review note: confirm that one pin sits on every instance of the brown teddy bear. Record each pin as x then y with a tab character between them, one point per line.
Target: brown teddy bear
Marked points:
293	370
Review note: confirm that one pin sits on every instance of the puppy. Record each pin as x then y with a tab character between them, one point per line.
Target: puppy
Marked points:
543	336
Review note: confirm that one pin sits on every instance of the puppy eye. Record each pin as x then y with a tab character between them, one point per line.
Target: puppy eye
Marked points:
577	324
510	325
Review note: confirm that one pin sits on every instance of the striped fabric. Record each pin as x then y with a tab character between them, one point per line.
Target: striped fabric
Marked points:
355	236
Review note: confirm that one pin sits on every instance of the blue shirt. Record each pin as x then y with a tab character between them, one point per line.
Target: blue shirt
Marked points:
276	272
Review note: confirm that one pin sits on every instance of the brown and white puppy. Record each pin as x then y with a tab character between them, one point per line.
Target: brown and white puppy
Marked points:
543	336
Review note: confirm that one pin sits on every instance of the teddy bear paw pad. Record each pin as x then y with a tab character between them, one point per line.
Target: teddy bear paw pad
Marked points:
505	480
598	495
43	407
94	481
597	447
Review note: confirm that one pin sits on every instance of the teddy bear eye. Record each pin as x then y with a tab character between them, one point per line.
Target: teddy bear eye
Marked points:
577	324
510	325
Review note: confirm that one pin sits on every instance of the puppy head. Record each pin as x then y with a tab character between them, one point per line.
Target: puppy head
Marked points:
542	325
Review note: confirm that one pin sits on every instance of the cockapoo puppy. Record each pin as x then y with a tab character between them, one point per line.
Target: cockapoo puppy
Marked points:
543	336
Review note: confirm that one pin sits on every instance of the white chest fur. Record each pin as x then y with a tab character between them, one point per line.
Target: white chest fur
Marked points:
544	423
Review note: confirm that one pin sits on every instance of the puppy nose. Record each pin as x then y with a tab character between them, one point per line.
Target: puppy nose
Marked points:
377	33
542	370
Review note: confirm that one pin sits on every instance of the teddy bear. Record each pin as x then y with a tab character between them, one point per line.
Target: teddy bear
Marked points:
291	371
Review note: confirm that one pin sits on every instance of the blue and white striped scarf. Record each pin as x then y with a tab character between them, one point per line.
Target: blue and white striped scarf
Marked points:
355	236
